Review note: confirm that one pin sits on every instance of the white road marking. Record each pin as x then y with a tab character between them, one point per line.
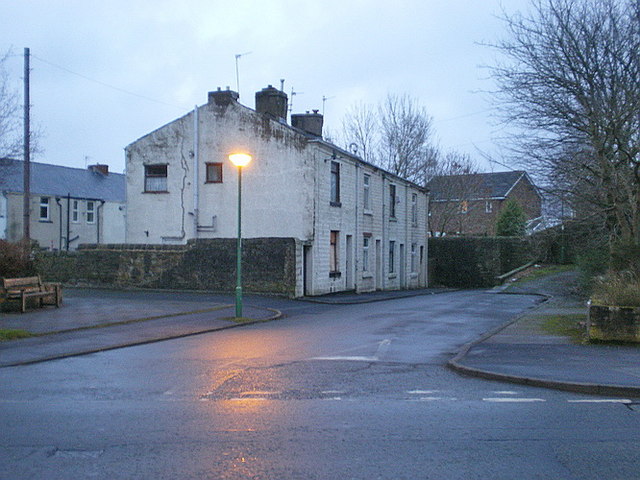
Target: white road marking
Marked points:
332	392
348	359
505	392
383	346
422	392
513	400
602	400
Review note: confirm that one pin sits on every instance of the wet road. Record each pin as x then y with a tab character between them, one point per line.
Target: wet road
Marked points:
329	392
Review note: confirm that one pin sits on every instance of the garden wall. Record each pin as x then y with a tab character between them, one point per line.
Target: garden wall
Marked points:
268	265
474	262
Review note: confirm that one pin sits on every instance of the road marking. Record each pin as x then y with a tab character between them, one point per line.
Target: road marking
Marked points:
602	400
422	392
505	392
332	392
348	359
513	400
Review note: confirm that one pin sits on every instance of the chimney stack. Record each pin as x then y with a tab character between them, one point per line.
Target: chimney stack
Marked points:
272	102
223	97
100	168
310	123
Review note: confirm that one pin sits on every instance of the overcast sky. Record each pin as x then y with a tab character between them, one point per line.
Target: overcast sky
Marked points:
104	74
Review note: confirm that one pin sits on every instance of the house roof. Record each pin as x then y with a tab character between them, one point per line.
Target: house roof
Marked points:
475	186
47	179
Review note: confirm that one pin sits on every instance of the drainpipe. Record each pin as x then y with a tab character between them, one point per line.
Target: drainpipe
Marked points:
357	236
68	218
98	221
59	223
384	242
196	174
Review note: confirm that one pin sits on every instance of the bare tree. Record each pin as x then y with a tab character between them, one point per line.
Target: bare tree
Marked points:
454	188
571	85
10	119
397	135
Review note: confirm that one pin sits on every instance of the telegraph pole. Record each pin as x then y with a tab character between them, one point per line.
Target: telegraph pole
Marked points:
27	149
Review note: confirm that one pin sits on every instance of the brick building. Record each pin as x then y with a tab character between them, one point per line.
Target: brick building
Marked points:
470	204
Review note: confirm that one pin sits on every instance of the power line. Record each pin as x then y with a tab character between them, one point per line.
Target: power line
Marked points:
104	84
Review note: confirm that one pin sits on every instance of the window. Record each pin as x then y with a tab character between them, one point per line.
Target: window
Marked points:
464	207
414	252
75	211
91	211
365	196
488	207
155	178
392	254
335	184
414	209
365	253
392	201
44	208
214	172
333	253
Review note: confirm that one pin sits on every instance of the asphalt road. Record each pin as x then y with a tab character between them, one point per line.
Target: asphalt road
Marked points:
328	392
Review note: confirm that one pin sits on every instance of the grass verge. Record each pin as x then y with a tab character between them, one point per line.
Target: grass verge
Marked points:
6	334
568	325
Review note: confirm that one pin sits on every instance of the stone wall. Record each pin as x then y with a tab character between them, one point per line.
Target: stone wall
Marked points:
268	265
620	324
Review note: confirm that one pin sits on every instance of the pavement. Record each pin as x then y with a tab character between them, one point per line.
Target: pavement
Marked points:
524	352
521	351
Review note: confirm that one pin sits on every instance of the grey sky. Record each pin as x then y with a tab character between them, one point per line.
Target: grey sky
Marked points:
170	54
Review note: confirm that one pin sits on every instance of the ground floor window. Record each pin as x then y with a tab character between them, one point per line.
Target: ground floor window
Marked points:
44	208
392	255
365	254
414	251
333	253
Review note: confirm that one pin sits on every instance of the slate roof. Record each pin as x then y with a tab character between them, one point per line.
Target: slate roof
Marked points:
54	180
475	186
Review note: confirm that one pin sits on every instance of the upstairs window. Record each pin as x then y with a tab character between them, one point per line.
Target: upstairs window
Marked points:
91	211
414	209
214	172
488	207
392	201
366	194
44	208
464	207
335	184
155	178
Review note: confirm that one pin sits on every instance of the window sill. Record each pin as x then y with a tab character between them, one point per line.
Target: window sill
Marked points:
367	212
335	274
212	181
44	220
367	275
393	219
159	191
393	275
335	204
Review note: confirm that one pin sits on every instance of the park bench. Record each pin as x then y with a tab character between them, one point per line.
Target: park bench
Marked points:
25	288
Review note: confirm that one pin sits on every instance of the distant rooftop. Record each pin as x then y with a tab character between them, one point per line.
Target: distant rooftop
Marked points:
55	180
474	186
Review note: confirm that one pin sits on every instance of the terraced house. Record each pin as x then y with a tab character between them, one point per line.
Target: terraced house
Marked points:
68	206
352	226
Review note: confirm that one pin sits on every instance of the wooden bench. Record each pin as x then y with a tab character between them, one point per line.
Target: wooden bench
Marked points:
31	287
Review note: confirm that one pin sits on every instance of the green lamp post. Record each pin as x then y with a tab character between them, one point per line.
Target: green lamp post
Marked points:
240	160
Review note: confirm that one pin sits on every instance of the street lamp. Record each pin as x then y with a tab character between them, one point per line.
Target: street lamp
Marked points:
240	160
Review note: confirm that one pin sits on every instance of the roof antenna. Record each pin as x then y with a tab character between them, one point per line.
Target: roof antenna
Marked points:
324	100
238	55
293	92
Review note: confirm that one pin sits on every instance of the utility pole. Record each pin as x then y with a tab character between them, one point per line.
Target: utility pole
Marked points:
27	159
